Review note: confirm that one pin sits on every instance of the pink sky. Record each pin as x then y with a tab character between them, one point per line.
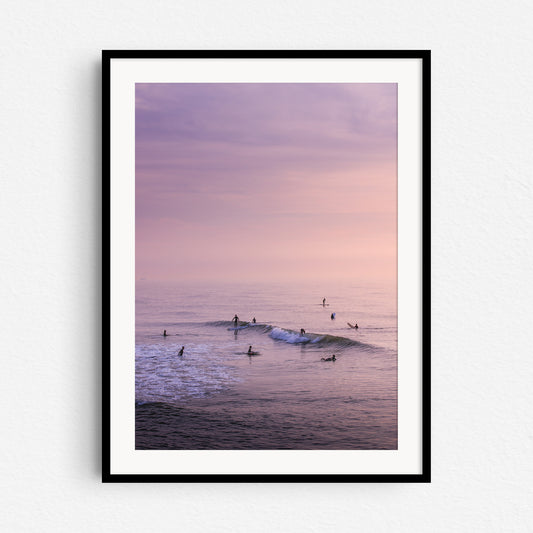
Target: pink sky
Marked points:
266	181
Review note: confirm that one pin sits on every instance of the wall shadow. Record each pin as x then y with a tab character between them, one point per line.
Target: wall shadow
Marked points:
95	172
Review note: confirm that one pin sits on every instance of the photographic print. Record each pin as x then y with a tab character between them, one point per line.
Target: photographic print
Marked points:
256	285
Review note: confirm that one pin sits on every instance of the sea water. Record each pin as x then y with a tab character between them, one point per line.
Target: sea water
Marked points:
216	396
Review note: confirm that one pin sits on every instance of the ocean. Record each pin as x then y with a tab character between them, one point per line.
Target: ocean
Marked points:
216	396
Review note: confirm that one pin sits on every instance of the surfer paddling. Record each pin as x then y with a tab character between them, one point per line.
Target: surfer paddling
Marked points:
332	358
180	353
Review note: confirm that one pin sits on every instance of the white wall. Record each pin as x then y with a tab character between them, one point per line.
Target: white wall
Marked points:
50	201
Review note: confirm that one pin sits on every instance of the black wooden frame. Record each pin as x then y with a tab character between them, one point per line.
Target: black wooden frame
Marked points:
425	57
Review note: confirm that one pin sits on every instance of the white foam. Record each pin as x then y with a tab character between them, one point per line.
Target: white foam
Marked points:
163	376
288	336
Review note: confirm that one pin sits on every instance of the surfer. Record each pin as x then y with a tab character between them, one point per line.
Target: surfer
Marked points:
332	358
332	316
356	326
324	302
180	353
302	331
250	351
253	319
165	333
236	320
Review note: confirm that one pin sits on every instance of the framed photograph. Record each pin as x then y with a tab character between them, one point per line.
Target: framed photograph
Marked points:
266	259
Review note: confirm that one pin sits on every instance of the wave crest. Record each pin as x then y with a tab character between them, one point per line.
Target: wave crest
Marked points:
294	337
289	336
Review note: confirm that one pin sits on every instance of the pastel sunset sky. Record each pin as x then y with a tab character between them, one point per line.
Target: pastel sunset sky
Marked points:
266	181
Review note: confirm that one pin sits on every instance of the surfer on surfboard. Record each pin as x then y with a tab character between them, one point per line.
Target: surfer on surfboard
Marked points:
180	353
332	358
165	333
324	302
236	320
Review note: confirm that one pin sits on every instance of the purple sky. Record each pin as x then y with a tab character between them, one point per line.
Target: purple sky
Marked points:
266	181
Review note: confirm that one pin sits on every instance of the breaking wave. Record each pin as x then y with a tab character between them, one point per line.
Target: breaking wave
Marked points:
294	337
